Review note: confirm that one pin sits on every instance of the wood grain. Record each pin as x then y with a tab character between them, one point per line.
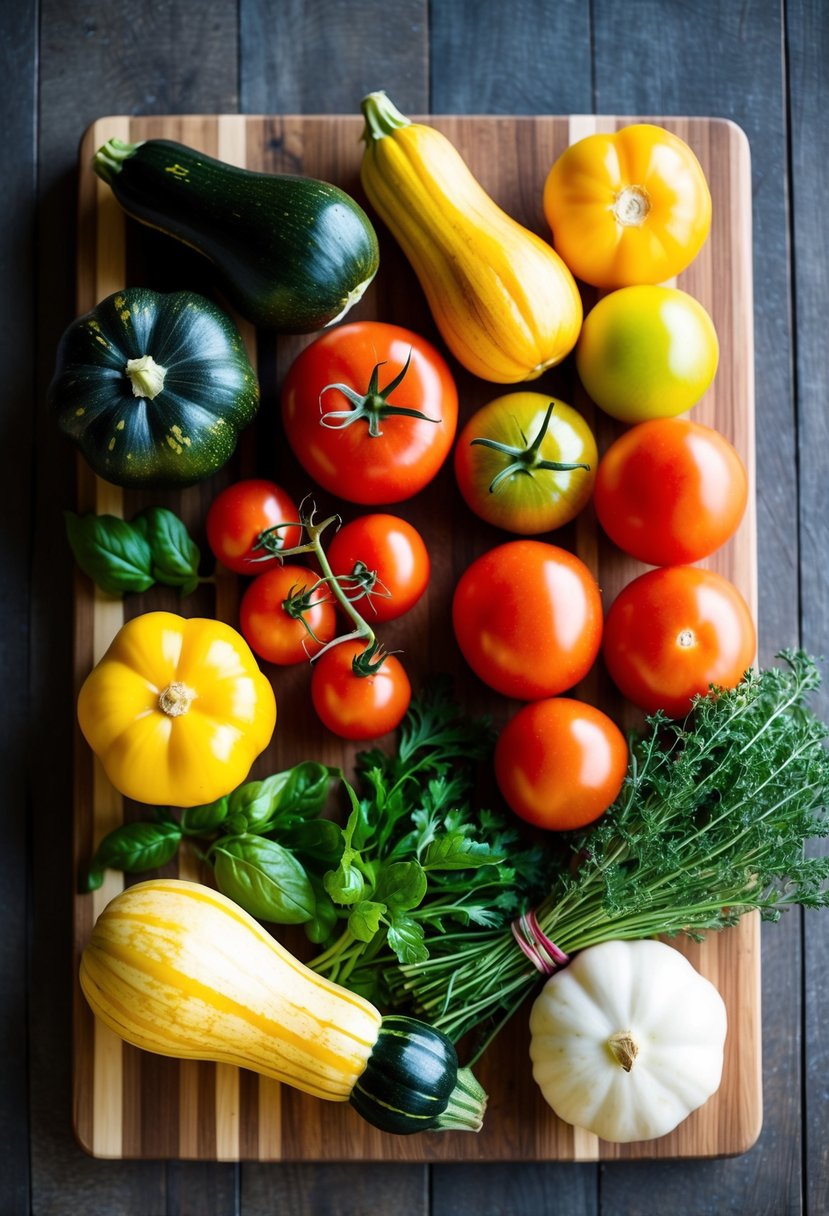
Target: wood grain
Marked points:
204	1111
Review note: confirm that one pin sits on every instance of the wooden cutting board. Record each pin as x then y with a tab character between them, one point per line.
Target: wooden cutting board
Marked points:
131	1104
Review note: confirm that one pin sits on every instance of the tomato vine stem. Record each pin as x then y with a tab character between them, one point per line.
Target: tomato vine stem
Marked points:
371	658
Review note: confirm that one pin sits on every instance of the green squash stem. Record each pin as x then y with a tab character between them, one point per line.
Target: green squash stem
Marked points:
146	376
108	160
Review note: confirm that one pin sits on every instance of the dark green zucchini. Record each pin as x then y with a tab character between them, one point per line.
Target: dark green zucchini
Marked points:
291	253
412	1082
153	388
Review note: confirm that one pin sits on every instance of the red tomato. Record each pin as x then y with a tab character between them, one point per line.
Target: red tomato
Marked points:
238	514
670	491
358	707
370	453
271	631
391	548
528	619
674	631
560	763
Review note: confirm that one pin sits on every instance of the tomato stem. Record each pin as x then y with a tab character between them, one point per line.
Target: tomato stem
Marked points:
372	406
526	459
367	661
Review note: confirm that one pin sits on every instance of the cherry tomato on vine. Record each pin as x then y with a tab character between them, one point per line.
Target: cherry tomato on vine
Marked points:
673	632
629	206
239	513
647	352
370	410
526	463
357	706
528	619
390	548
560	763
670	491
276	633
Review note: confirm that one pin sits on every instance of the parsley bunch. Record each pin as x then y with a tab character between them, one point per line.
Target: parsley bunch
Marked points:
418	861
712	822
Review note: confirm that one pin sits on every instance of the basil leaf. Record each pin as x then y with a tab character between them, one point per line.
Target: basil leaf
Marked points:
401	885
264	879
111	552
406	939
136	847
364	921
201	820
317	839
257	802
306	792
454	851
175	556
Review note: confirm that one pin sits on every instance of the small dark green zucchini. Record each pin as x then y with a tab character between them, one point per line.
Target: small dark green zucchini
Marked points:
153	388
412	1082
291	253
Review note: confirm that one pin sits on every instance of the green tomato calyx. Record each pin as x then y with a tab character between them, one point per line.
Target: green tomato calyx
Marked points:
372	407
527	459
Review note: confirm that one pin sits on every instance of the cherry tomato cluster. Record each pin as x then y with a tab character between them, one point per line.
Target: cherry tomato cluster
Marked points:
370	411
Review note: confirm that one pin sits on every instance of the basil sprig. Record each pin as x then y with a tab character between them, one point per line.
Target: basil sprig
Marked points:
123	557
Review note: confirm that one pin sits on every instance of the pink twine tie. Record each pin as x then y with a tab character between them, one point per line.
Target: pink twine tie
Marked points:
542	953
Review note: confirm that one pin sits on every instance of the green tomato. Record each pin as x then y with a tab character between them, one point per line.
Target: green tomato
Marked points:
526	462
647	352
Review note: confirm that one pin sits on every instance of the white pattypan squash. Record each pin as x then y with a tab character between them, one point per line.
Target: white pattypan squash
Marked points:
627	1040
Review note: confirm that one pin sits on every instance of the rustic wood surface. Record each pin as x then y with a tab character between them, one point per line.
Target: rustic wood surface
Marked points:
131	1104
761	64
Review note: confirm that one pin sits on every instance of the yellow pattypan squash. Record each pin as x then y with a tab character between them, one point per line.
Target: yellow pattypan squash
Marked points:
177	710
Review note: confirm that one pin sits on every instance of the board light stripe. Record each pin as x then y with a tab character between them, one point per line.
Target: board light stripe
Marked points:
107	619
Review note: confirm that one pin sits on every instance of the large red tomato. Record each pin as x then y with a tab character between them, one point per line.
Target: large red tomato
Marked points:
673	632
370	410
393	550
271	630
240	513
356	706
670	491
528	619
560	763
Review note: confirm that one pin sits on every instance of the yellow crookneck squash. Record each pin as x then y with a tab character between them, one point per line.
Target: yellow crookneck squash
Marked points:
177	710
176	968
504	301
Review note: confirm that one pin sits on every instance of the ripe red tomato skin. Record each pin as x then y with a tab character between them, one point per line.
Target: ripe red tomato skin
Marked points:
393	548
670	491
560	763
672	632
358	707
270	632
348	462
239	513
528	619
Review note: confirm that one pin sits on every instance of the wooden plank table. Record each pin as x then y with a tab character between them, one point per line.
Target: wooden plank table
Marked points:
69	62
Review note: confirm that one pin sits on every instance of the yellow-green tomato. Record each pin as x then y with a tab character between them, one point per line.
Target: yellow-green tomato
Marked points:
647	352
526	462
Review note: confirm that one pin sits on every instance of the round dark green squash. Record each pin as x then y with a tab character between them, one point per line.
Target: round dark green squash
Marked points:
154	388
412	1082
291	253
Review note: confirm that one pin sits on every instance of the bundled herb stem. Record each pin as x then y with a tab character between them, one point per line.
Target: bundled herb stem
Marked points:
711	824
